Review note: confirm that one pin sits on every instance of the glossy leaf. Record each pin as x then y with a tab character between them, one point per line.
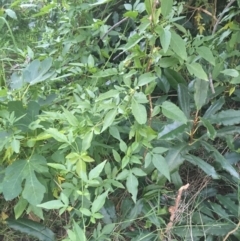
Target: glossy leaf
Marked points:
200	94
184	99
174	78
173	112
145	79
165	38
132	186
166	7
160	163
210	129
207	168
31	228
139	112
226	117
95	172
178	45
108	119
197	70
206	53
214	107
99	202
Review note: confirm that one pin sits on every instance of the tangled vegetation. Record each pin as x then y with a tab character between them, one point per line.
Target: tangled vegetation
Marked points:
119	120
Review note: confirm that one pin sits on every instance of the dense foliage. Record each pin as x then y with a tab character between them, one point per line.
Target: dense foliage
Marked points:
123	117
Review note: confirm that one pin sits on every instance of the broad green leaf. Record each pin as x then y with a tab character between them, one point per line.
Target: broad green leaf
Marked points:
220	159
210	129
148	6
87	140
132	41
15	144
108	119
171	131
57	135
230	72
12	183
145	79
178	45
160	163
174	78
31	228
197	70
174	158
173	112
138	172
106	73
132	186
123	175
95	172
166	7
54	204
107	95
226	117
33	190
11	13
200	93
165	37
184	99
159	150
116	156
207	168
206	53
99	202
90	62
80	234
85	211
20	207
139	112
215	106
72	120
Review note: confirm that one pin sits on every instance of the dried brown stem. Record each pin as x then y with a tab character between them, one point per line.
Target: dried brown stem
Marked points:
174	209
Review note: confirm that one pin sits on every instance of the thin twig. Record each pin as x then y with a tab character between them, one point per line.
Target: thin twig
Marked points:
114	26
173	209
202	10
221	16
211	83
231	232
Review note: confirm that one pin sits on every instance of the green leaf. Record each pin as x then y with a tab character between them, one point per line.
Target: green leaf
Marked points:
200	94
165	37
132	41
197	70
99	202
230	72
184	99
107	95
57	135
178	45
145	79
20	207
166	7
138	172
54	204
80	235
86	143
108	119
72	120
33	190
215	106
210	129
171	131
206	53
226	117
173	112
132	186
207	168
174	78
106	73
95	172
220	159
139	112
160	163
11	13
31	228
